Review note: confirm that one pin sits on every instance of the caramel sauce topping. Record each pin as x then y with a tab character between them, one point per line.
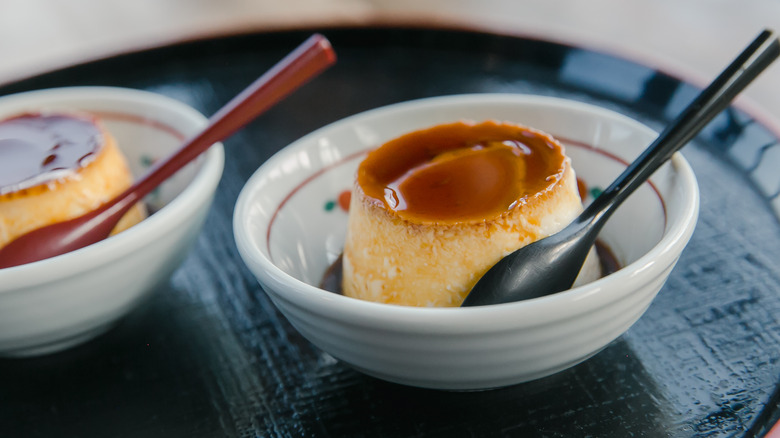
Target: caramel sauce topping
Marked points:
35	148
461	172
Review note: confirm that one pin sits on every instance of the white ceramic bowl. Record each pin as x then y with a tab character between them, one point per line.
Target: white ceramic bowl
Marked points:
289	228
52	304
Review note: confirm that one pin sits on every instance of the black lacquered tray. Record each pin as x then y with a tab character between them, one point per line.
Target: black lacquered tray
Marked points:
208	355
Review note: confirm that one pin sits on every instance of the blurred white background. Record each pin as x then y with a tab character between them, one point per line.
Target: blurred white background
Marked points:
691	38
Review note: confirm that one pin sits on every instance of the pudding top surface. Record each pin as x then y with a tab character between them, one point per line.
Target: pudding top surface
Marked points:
461	172
38	148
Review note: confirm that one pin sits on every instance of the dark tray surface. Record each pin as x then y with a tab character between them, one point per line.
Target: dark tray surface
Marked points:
208	355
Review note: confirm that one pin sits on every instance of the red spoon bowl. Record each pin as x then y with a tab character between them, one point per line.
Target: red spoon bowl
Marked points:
58	302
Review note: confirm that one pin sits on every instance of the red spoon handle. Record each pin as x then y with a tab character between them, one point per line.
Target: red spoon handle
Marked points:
297	68
305	62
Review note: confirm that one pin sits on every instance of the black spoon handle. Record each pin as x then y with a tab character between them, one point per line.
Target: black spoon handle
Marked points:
551	264
715	98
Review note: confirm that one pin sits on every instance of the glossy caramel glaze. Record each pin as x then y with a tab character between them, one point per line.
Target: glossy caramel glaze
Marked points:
36	148
461	172
55	167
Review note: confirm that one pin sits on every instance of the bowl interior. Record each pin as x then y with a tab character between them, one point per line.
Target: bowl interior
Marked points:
295	213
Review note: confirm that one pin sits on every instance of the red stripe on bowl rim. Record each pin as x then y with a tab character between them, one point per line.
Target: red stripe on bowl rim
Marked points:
141	120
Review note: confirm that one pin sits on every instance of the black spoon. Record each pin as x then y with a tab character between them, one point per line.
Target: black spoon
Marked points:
552	264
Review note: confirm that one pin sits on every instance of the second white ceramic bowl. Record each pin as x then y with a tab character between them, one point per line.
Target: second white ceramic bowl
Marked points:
289	227
53	304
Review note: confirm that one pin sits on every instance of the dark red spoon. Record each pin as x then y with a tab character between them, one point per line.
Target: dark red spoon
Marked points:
305	62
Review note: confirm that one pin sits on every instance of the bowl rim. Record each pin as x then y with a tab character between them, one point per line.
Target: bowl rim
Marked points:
197	191
654	263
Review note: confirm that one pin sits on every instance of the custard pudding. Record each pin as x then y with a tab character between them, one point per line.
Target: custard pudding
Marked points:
433	210
55	167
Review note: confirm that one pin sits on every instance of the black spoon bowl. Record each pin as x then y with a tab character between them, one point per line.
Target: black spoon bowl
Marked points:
551	265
